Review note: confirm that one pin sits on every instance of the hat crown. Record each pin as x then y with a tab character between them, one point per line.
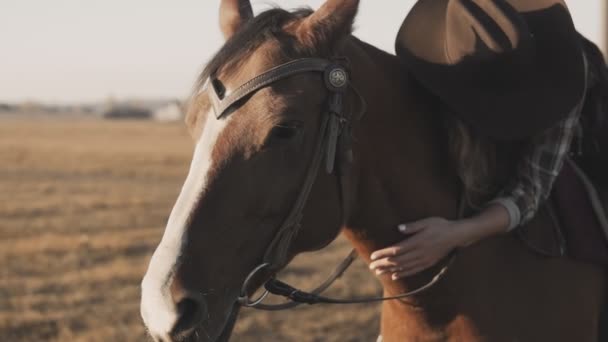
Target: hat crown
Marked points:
509	68
483	29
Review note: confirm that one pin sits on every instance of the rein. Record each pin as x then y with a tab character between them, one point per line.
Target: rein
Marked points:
331	134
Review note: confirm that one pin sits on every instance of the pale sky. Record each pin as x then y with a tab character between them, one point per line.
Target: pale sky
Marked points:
66	51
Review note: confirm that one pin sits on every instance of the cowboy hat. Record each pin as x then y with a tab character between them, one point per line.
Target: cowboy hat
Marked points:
509	68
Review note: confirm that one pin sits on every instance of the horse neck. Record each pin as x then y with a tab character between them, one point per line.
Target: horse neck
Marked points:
400	171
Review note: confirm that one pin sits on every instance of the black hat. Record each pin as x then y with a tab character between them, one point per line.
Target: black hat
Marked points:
509	68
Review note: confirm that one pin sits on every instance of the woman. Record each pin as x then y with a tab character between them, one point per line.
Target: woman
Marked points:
508	68
433	238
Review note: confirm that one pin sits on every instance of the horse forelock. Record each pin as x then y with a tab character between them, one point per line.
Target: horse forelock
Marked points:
266	26
269	28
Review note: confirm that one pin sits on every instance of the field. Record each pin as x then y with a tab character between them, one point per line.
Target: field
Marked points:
83	204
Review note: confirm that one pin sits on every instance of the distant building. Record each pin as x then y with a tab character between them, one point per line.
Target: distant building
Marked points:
127	112
5	107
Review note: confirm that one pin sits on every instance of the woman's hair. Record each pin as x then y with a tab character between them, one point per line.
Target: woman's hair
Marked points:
474	158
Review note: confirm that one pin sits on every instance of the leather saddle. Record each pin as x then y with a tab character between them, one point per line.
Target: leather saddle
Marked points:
577	210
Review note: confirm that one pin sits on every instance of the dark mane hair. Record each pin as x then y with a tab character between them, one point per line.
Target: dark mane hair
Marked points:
263	27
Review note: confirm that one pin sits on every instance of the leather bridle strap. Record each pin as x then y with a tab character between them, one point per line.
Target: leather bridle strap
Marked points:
277	251
336	274
336	82
330	131
222	104
335	79
280	288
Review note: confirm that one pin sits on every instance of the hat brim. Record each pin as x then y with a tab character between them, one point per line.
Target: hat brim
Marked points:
554	85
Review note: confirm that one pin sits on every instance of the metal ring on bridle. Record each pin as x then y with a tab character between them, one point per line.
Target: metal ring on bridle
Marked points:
336	78
243	298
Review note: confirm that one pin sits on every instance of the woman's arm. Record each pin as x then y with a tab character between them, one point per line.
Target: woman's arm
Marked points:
538	170
432	239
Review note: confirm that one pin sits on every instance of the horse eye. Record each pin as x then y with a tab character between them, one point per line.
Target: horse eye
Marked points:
284	132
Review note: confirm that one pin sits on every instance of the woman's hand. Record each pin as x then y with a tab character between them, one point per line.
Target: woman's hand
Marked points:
430	241
433	238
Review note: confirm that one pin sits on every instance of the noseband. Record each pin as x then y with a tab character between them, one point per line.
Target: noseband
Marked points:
331	137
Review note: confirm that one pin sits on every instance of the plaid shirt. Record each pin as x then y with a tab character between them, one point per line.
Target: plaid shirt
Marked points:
537	171
540	166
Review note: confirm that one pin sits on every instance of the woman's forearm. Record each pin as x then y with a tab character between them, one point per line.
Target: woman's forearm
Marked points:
433	238
493	220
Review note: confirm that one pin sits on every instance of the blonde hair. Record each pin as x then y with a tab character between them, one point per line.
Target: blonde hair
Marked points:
474	158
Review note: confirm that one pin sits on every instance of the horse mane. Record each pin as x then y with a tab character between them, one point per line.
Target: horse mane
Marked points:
267	25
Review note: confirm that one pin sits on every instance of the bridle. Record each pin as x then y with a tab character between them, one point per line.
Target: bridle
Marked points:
334	134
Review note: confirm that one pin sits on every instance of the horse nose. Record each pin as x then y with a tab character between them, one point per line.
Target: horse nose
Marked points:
191	311
171	313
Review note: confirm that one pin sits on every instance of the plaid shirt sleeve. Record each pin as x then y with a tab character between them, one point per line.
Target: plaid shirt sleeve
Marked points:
538	170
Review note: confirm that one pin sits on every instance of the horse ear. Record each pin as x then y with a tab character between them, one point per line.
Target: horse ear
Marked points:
233	15
331	22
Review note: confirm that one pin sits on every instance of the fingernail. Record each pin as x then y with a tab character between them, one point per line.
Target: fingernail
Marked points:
373	256
380	272
395	276
402	227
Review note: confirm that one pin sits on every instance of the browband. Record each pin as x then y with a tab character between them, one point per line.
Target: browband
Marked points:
221	105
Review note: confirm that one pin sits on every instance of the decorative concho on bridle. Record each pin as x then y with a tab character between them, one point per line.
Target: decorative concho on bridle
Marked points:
334	123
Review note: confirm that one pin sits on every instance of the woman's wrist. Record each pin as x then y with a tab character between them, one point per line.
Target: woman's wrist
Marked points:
465	233
491	221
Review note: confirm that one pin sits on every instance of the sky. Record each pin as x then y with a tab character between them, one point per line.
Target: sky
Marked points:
78	51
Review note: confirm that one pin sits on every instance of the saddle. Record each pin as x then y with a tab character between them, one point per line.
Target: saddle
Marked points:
577	210
578	205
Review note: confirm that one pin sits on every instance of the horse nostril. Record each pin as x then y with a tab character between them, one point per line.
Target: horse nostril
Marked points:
191	311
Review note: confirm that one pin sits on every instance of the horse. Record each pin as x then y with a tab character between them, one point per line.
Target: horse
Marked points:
271	109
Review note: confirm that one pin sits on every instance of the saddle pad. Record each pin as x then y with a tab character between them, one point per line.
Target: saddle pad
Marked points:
582	217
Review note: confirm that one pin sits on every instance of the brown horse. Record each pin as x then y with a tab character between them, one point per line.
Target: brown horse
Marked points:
250	164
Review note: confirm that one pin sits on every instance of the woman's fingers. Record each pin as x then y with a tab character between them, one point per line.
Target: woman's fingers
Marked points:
410	271
406	245
402	247
412	228
406	269
389	252
414	254
429	241
385	265
415	242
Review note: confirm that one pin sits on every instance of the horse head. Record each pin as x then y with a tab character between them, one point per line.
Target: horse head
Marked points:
252	158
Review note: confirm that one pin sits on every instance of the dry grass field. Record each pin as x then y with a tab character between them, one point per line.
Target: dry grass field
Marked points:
83	204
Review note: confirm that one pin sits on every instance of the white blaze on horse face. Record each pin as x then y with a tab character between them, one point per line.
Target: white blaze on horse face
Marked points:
157	307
